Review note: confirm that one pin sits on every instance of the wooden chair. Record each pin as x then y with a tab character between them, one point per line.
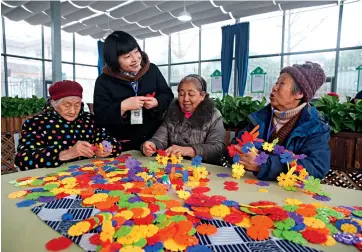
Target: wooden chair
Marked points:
8	153
90	106
346	161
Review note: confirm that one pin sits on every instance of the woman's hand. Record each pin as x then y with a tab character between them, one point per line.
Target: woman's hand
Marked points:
150	102
148	149
102	154
248	161
80	149
132	103
181	151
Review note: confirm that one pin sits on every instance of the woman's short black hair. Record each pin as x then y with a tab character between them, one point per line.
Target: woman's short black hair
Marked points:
116	44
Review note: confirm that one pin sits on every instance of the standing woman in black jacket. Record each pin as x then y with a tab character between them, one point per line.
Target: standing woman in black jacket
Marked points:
131	95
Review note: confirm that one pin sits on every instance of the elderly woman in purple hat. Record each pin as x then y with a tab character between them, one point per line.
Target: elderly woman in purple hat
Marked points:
299	127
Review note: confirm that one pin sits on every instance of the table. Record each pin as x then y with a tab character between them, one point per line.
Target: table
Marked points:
23	231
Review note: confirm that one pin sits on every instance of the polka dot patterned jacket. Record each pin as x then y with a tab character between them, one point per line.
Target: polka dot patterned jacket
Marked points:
44	136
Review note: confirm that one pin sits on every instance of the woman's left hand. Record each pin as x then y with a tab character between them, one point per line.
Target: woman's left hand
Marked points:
150	102
181	151
102	154
248	161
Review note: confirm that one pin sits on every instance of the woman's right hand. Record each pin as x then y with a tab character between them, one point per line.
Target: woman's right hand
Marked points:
80	149
149	148
132	103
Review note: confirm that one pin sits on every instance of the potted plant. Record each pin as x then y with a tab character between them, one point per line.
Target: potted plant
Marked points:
15	110
235	111
8	111
3	124
20	112
34	106
345	122
4	105
342	117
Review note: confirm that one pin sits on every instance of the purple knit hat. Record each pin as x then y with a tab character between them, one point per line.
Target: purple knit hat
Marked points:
309	77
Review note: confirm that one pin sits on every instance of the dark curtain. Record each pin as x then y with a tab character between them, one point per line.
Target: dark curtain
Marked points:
227	48
242	55
100	57
241	33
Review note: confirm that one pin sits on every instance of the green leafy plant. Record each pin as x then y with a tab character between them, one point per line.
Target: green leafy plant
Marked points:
20	107
345	116
235	110
35	105
8	107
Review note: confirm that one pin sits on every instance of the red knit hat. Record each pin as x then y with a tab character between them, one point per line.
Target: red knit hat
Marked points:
65	88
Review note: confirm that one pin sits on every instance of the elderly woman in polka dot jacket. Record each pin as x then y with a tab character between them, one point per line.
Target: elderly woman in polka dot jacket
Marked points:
63	132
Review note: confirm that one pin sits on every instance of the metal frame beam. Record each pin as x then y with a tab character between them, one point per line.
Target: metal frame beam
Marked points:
45	88
5	59
56	40
336	65
169	61
283	38
199	63
73	56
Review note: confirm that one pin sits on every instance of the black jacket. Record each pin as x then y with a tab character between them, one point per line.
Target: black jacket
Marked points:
111	89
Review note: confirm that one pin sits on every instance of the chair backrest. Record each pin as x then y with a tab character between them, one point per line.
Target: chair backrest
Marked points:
90	106
230	134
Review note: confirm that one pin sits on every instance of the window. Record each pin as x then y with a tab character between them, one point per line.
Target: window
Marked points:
86	76
2	77
351	30
180	71
347	73
232	80
211	38
185	46
265	33
48	70
270	65
1	30
67	71
67	46
86	50
157	50
47	43
140	43
25	77
164	71
23	39
48	73
207	69
326	60
311	28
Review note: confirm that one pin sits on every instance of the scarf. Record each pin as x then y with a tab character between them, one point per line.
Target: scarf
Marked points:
280	118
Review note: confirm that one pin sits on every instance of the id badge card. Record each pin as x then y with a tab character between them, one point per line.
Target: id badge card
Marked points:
136	116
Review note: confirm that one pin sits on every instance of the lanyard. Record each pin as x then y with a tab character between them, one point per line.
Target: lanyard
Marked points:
270	132
134	85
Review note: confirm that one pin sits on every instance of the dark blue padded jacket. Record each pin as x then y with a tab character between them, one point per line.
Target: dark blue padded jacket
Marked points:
310	136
